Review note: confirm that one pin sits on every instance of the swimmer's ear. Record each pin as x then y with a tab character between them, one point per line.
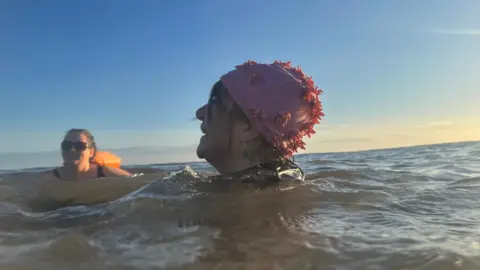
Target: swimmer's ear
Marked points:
249	133
92	153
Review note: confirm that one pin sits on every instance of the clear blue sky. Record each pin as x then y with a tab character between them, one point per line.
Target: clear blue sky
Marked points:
138	70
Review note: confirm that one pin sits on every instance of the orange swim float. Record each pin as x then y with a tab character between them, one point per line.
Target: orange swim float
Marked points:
107	159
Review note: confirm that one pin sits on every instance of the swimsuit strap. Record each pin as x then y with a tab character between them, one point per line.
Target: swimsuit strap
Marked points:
100	172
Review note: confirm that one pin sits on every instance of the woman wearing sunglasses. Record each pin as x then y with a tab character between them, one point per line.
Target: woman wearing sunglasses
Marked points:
255	120
78	152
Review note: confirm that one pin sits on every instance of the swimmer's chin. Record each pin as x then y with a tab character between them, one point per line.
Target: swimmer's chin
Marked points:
200	152
201	148
71	163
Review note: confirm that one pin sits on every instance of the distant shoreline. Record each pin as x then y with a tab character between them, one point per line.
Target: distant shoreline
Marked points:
166	148
394	148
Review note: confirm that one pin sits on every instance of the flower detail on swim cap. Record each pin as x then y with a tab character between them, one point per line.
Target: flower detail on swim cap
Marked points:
256	114
282	118
311	95
286	102
248	63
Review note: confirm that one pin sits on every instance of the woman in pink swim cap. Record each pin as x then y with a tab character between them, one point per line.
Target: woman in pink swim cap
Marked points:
256	118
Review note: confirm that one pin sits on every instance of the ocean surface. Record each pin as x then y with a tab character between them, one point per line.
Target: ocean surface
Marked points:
406	208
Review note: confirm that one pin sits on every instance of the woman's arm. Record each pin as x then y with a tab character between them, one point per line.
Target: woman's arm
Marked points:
109	171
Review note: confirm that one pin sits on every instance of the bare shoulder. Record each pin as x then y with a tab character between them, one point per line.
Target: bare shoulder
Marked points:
109	171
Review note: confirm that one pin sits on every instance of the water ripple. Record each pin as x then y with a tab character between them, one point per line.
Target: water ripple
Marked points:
406	208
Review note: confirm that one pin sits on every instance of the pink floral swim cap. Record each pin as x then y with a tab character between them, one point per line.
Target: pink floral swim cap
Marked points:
280	100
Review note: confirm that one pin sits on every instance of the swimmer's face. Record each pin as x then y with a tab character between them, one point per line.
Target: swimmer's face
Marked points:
220	140
76	149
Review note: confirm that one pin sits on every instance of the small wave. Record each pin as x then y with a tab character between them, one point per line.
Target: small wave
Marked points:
320	162
466	183
327	174
409	208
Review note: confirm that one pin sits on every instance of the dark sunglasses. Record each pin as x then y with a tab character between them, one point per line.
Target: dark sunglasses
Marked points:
78	146
215	97
215	93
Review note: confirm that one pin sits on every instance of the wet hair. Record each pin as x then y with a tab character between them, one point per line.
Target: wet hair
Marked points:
90	139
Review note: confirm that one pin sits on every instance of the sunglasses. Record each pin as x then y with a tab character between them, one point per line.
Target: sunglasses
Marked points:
78	146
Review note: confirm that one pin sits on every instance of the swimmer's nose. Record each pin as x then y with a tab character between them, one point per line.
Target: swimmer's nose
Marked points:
200	114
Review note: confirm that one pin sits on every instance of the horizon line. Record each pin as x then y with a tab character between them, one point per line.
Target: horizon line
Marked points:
299	154
194	145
